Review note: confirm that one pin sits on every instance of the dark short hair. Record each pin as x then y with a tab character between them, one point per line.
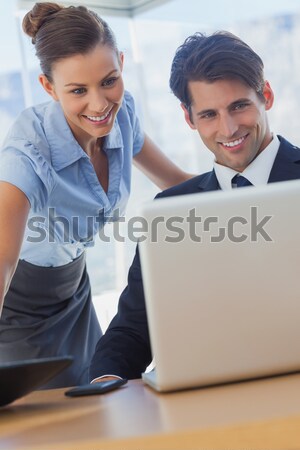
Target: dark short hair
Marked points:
59	32
220	56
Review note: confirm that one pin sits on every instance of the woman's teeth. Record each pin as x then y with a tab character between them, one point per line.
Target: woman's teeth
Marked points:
99	118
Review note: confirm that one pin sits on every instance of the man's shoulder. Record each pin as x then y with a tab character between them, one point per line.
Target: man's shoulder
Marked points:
286	145
191	186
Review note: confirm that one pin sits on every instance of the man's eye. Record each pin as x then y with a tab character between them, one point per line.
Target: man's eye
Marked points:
207	115
109	82
240	106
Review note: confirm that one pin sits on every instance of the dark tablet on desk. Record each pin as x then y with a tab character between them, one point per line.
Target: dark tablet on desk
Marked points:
18	378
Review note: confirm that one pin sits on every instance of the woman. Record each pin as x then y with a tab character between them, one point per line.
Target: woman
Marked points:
64	163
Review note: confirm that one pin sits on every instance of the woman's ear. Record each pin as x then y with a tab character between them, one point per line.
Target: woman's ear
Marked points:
121	57
48	86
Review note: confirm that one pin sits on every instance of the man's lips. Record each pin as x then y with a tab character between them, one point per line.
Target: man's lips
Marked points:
234	144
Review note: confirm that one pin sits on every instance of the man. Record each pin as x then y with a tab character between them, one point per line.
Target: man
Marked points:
220	83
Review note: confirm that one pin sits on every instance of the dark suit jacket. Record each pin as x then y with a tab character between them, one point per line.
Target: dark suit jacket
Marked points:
124	349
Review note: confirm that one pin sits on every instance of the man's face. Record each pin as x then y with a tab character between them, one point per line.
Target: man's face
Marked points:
231	120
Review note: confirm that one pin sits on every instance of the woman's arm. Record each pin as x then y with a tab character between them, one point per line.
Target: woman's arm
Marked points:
160	169
14	208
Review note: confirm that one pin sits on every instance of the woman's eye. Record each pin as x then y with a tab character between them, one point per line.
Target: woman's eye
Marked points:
109	81
78	91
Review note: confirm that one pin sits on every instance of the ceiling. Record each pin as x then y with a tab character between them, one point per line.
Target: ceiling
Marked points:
125	8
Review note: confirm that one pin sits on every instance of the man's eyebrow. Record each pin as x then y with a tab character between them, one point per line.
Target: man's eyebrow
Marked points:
235	103
82	84
240	100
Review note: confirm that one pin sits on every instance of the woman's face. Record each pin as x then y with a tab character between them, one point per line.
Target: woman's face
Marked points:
90	90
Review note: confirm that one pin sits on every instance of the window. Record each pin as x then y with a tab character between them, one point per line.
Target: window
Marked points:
149	43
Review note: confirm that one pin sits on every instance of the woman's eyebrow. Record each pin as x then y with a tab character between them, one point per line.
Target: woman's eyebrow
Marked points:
82	84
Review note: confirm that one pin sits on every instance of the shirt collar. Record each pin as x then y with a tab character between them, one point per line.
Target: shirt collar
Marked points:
258	172
65	150
114	138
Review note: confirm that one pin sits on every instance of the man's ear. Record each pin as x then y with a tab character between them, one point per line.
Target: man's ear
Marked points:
268	95
49	87
187	117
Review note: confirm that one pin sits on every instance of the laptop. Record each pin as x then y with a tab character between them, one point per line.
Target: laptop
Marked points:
221	277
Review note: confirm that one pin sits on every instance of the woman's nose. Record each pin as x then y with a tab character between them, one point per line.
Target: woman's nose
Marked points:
98	103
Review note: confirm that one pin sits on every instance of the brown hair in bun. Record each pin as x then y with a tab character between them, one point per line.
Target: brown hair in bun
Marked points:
60	32
35	18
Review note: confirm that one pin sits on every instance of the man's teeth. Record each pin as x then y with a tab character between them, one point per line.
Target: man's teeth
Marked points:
234	143
98	118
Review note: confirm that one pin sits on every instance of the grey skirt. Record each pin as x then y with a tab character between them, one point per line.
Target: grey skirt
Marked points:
48	311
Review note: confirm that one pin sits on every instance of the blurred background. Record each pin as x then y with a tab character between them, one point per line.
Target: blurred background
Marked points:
149	34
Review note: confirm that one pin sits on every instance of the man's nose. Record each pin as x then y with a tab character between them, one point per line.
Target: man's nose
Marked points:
227	125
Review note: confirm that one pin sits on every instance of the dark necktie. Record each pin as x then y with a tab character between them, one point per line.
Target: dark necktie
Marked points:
240	181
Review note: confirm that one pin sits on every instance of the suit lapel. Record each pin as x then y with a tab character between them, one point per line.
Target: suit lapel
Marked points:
287	163
209	182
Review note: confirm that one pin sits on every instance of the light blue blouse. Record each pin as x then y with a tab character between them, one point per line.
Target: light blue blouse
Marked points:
68	205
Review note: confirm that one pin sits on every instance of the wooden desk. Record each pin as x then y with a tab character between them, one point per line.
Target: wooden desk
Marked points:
262	414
